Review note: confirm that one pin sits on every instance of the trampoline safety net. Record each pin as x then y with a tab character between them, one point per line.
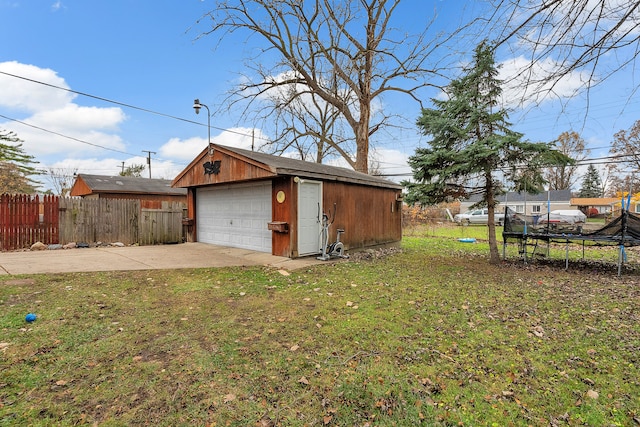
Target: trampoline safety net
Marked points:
623	230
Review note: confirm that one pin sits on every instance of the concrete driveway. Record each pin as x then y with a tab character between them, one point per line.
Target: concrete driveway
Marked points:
185	255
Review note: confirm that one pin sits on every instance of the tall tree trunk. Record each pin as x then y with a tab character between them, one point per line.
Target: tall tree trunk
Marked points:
362	139
494	254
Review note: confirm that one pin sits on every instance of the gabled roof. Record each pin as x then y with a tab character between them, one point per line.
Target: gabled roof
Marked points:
128	185
516	197
594	201
293	167
553	195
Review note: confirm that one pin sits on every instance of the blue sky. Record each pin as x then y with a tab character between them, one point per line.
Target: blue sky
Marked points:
147	54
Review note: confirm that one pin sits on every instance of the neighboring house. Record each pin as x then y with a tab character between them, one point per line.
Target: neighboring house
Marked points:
592	206
256	201
151	192
526	203
617	204
635	207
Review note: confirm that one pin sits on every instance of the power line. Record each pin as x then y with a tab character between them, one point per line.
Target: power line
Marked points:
66	136
123	104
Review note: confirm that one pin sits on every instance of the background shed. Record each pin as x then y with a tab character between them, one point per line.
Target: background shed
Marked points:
151	192
257	201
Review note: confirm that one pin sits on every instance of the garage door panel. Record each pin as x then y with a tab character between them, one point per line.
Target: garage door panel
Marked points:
235	216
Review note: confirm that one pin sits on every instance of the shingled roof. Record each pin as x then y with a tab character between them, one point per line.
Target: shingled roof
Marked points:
514	197
294	167
129	185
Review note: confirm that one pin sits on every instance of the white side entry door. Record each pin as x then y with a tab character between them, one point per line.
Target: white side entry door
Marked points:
309	215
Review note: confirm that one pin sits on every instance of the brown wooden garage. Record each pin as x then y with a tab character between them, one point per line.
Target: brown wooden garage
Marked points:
268	203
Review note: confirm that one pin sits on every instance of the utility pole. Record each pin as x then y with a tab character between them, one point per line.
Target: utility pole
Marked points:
122	168
149	153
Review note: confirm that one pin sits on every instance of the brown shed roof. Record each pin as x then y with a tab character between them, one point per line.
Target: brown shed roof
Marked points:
294	167
126	184
593	201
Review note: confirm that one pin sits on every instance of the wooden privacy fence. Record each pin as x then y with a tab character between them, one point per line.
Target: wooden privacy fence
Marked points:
99	220
25	220
162	225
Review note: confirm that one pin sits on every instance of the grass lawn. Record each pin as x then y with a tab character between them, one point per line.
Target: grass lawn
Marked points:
432	335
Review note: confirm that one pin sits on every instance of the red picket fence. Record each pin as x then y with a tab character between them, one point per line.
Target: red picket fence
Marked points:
25	219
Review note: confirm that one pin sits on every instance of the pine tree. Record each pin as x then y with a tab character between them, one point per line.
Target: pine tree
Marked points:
591	183
471	141
15	166
134	170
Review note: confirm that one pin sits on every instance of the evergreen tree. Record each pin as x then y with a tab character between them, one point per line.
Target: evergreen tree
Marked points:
471	142
134	170
591	183
15	166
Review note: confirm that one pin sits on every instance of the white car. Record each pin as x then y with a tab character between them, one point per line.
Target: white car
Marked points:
573	216
478	216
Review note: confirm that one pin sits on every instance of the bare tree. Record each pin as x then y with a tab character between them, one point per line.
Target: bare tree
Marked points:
564	176
625	151
562	37
343	52
606	178
622	184
305	124
62	179
626	146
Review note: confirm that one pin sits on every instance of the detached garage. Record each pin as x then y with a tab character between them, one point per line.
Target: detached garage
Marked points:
250	200
235	215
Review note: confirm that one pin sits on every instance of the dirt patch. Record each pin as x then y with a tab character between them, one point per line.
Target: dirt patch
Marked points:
20	282
371	254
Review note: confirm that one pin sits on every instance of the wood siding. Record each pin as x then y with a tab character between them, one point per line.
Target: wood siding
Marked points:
370	216
232	170
80	188
281	242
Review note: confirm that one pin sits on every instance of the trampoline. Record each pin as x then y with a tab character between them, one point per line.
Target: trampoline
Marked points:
528	231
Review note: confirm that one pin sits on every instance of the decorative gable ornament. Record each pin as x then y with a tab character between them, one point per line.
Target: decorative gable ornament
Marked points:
212	167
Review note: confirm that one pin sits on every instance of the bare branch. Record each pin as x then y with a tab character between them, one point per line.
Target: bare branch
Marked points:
339	56
564	38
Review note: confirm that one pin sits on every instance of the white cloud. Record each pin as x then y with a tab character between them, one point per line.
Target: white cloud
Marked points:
392	164
187	149
53	126
27	96
108	166
72	116
525	85
183	149
57	6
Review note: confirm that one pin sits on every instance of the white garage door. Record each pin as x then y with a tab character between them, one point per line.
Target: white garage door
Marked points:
235	215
